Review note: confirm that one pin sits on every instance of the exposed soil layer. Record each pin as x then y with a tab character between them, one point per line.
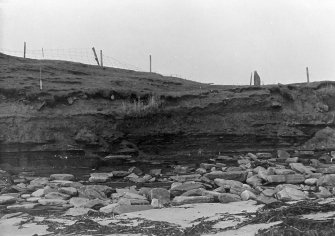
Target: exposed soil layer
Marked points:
80	113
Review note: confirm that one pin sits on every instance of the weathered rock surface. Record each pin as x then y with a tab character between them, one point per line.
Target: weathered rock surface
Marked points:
181	200
61	177
228	197
290	194
7	200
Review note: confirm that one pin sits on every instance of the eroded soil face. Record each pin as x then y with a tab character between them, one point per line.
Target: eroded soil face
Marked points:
86	112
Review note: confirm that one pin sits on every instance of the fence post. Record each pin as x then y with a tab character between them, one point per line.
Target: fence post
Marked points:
101	61
41	86
42	53
150	62
24	50
95	56
307	73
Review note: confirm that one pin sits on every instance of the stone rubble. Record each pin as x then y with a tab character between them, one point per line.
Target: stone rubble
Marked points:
264	177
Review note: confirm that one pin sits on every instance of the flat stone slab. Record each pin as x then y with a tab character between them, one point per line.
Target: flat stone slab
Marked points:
61	177
185	214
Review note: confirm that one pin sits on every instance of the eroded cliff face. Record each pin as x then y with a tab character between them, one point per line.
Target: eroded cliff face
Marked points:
81	110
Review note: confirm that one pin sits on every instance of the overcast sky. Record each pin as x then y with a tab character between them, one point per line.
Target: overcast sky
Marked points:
217	41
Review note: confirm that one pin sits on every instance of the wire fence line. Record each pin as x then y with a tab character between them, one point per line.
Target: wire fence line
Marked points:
82	55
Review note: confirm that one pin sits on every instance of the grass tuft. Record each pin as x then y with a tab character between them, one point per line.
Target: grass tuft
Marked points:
141	107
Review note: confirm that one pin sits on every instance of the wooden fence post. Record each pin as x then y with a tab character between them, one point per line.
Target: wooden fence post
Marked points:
150	62
24	50
95	56
101	61
41	85
307	73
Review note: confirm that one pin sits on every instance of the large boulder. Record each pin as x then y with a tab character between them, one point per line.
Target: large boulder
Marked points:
299	167
324	138
161	194
94	191
182	188
254	181
290	194
327	180
7	200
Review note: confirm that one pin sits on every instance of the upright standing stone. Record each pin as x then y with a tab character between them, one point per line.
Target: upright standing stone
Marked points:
257	79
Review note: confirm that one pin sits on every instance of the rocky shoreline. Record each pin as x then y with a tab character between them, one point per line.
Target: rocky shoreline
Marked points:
260	178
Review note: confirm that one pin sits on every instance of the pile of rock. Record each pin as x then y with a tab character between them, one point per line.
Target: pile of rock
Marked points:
261	177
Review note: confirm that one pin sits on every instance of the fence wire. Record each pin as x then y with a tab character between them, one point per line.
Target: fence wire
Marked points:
81	55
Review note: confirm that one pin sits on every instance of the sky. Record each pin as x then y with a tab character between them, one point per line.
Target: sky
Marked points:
210	41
